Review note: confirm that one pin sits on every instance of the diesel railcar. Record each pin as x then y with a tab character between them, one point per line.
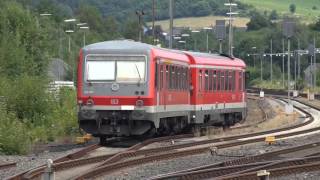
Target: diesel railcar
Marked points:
127	88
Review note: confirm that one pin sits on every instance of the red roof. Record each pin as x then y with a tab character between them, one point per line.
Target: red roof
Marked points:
198	58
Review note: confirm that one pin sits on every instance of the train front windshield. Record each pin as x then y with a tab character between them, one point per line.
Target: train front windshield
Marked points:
127	69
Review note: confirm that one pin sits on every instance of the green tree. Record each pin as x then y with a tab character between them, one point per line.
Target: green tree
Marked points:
257	21
292	8
316	26
273	15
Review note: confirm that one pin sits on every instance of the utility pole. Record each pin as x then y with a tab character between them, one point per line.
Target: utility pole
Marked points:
230	13
299	59
283	62
261	78
171	23
295	68
271	60
315	62
153	20
140	15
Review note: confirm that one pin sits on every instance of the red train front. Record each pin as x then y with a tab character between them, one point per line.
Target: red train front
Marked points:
128	88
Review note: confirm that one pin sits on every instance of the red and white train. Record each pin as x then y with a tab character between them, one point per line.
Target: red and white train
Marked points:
129	88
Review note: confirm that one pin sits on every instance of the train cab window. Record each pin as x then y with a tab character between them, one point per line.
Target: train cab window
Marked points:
200	80
210	80
206	76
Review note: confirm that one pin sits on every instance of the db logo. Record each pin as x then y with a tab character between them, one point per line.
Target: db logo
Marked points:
114	101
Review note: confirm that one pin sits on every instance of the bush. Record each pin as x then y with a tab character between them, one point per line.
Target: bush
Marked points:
14	136
30	114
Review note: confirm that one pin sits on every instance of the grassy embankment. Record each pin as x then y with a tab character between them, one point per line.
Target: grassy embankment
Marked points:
307	10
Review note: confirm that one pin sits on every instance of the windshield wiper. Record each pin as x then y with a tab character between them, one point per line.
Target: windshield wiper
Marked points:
138	74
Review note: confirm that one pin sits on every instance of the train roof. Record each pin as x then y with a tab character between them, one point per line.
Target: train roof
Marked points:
119	45
215	59
197	58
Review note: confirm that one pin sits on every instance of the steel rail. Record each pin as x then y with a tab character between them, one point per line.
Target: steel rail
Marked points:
7	165
277	172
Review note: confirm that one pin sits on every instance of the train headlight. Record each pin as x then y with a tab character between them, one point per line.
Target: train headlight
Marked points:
139	103
80	102
90	102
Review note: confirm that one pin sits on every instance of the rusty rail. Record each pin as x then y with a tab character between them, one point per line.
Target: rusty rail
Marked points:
8	165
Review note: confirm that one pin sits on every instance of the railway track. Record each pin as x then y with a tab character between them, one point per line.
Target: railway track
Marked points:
76	159
68	157
133	158
232	168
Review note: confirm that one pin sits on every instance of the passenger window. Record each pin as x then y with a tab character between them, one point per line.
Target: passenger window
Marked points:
218	80
226	83
178	79
156	77
200	80
184	78
210	80
214	80
222	81
240	81
161	76
230	81
173	77
206	75
168	77
233	81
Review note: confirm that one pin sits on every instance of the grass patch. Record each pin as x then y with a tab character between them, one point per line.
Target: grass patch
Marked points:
199	22
304	9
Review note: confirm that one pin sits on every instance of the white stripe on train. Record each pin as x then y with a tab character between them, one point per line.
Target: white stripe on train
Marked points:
170	108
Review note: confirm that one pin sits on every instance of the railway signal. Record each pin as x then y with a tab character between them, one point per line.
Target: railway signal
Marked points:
220	32
207	29
288	32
